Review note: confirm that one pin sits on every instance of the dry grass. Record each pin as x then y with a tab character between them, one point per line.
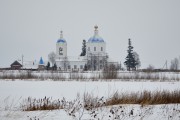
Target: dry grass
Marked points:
110	72
145	97
90	102
107	74
31	104
77	76
20	75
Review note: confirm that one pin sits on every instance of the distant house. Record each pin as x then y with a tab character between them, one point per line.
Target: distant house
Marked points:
30	65
16	65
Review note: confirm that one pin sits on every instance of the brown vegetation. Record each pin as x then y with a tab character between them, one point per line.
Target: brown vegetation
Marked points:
145	97
107	74
31	104
90	102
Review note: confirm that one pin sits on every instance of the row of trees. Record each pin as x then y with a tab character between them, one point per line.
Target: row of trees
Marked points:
133	62
48	66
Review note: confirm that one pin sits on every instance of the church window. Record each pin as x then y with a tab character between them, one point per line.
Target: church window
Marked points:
94	48
60	51
101	48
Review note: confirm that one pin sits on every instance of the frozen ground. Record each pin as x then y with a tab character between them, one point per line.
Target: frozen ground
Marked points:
69	89
89	75
13	92
152	112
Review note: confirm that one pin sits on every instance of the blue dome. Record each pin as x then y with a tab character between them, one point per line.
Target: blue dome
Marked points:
61	40
95	38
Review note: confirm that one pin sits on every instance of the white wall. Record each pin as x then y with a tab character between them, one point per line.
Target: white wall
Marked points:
98	47
64	50
71	64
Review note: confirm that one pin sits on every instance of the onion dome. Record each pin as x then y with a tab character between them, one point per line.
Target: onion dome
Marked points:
96	38
61	39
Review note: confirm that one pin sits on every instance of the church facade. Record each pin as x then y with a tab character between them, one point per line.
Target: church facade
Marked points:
96	57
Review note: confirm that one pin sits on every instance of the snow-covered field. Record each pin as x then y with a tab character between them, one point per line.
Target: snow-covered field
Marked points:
13	92
152	112
88	75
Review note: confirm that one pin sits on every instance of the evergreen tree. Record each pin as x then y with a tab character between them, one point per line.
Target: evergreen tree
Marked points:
48	66
55	66
130	62
85	67
83	53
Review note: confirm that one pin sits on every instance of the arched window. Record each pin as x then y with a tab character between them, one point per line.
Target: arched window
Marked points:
60	51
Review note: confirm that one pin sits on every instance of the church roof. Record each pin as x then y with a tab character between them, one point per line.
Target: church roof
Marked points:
96	38
41	62
61	40
16	63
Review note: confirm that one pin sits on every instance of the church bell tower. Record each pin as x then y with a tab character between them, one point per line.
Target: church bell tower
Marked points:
61	47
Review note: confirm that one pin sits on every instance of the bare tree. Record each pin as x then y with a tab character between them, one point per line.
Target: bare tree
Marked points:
174	64
150	67
110	72
52	57
137	60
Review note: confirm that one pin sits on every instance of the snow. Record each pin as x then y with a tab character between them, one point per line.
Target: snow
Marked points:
69	89
13	92
151	112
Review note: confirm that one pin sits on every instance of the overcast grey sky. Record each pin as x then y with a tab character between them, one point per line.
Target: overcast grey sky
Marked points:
31	28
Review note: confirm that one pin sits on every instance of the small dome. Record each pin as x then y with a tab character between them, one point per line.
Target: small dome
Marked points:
61	39
96	37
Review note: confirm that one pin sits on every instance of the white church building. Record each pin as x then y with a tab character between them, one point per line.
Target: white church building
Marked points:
96	57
